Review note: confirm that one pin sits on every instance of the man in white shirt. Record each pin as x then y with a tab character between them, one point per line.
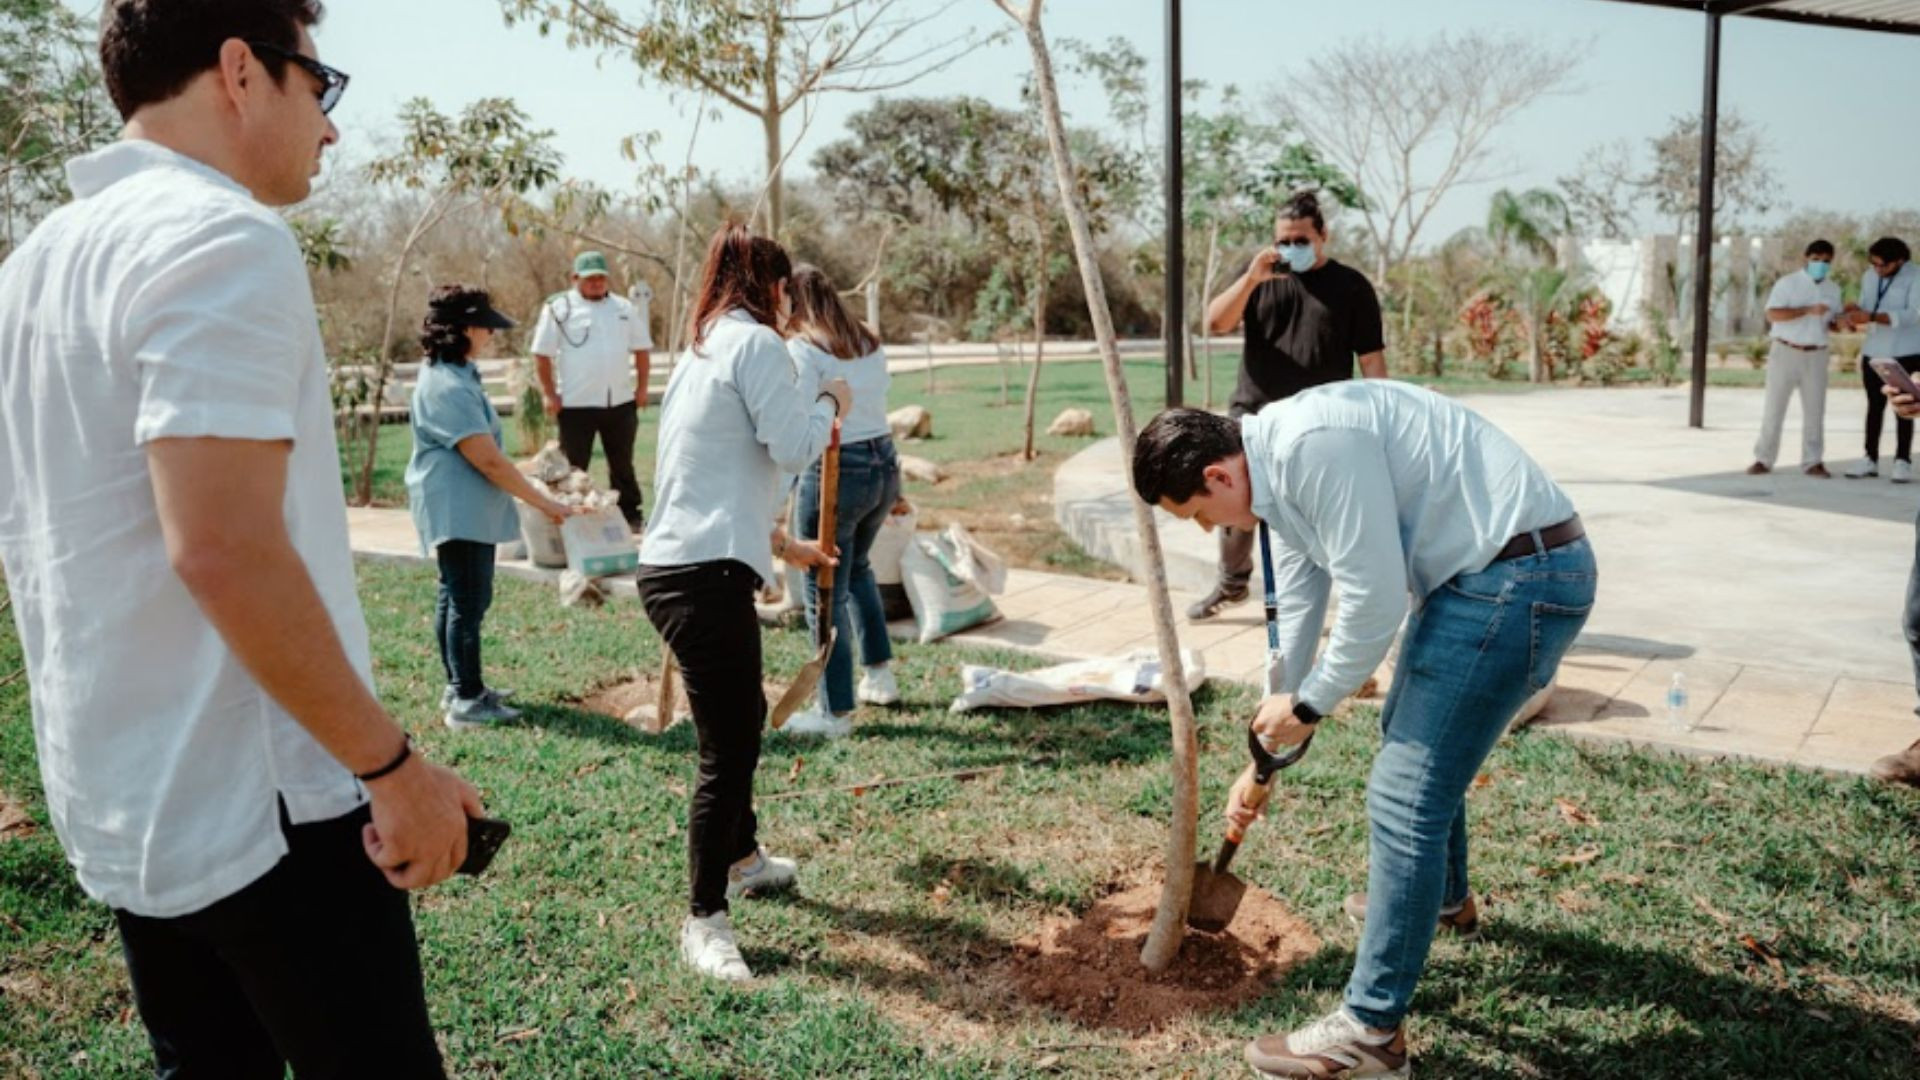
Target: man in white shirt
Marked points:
1408	502
591	350
174	536
1802	308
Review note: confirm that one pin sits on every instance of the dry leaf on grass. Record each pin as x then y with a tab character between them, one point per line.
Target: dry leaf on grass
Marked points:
1717	915
520	1036
1575	902
794	772
1573	812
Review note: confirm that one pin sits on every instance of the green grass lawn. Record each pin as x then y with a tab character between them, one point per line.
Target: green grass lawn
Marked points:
1672	919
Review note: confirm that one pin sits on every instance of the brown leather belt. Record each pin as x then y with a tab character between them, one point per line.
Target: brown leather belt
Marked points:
1802	348
1551	537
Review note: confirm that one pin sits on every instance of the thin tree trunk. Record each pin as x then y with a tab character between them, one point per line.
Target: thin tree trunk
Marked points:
383	361
1206	294
1000	361
770	122
1039	347
1170	918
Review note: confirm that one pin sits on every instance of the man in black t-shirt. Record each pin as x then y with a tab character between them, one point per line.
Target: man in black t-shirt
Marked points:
1307	319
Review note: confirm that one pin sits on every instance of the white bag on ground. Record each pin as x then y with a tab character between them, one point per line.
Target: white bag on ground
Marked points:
891	542
600	543
973	562
939	576
1134	678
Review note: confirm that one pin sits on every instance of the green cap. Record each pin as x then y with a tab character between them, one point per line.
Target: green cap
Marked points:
589	263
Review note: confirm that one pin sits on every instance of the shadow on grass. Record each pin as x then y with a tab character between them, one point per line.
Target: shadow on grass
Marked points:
1727	1023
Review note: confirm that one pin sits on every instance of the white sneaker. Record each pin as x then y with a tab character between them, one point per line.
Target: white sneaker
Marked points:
761	873
1902	472
877	687
816	722
708	947
1862	469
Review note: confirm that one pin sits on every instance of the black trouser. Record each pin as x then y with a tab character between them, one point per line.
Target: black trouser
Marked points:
705	615
1877	412
466	592
617	426
314	965
1236	545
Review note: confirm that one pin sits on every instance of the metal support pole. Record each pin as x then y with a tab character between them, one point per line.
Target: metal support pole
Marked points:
1703	243
1176	306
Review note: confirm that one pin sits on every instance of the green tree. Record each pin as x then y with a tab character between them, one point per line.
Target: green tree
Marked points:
1531	221
764	58
487	158
54	107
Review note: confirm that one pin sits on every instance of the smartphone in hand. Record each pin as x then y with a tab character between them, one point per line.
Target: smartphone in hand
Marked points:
484	837
1894	375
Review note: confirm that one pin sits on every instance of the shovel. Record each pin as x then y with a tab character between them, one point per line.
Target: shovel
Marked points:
1217	893
808	678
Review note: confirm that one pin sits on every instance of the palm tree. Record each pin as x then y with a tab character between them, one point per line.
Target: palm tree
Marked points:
1529	220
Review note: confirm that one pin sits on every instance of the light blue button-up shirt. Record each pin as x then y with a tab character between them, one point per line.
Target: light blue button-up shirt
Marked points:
735	416
1388	490
1900	302
452	500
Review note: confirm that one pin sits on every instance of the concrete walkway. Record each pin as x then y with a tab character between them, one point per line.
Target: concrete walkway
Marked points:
1779	597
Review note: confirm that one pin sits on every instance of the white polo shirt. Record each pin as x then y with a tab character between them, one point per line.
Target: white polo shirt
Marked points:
592	343
1799	290
163	302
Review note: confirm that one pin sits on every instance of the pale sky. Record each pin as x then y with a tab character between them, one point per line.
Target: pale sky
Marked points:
1836	105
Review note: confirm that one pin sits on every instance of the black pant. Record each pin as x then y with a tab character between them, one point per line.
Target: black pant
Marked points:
617	426
1236	545
466	592
705	615
314	965
1877	412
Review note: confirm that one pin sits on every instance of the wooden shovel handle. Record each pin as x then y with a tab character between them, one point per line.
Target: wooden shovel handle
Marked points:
829	505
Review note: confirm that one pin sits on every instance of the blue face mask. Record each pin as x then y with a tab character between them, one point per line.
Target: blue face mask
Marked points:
1299	257
1818	270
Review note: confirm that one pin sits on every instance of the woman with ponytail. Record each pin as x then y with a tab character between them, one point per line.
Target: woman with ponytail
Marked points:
734	419
828	343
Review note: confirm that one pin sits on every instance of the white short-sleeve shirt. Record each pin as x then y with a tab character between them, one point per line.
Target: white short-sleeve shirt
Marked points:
592	343
163	302
1799	290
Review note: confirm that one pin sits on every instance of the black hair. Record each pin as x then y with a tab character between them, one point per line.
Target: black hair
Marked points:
151	49
1890	249
1303	206
1171	456
1819	247
442	337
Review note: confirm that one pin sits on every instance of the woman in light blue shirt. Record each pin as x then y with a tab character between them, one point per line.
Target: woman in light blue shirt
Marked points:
828	343
461	488
734	418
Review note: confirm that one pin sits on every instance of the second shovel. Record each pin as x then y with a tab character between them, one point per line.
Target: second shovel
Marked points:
807	680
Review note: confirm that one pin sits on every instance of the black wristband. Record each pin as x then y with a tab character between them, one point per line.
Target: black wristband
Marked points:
1305	713
824	396
406	751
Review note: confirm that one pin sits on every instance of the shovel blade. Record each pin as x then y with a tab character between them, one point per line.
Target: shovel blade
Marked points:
1216	897
804	683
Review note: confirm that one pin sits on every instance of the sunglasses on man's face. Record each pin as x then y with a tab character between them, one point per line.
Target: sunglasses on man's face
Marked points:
333	82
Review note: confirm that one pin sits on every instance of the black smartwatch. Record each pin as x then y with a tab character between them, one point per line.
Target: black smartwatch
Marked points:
1305	713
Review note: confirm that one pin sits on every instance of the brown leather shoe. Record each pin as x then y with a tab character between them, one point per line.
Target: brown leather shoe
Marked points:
1758	468
1462	921
1900	768
1818	469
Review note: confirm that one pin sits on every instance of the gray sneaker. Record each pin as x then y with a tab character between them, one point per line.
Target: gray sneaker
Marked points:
483	711
449	695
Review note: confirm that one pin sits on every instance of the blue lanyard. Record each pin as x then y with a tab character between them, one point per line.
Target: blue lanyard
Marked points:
1885	284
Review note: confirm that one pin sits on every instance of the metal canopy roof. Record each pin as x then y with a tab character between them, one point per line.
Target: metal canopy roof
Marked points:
1883	16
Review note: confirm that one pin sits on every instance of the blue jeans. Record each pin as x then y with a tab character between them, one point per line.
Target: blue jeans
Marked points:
869	486
1478	647
466	592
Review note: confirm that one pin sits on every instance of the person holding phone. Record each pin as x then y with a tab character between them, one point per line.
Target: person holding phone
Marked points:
1889	311
1307	318
1903	767
1801	309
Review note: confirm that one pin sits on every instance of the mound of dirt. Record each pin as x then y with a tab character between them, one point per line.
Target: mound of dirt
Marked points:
1089	968
633	702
